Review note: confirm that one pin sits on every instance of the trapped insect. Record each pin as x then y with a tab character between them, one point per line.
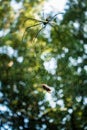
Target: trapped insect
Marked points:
46	87
44	23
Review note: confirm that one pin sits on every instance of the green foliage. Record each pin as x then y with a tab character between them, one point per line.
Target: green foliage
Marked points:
23	70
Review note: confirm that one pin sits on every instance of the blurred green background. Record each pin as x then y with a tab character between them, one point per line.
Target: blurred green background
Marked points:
57	57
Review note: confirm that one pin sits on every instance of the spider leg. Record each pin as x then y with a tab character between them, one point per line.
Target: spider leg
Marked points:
53	27
56	15
33	19
38	33
29	28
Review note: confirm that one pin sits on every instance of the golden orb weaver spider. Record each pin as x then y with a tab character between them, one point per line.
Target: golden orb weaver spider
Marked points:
45	22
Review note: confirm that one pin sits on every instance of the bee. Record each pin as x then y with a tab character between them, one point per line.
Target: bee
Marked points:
46	87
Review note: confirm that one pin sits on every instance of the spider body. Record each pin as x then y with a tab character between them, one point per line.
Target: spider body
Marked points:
45	22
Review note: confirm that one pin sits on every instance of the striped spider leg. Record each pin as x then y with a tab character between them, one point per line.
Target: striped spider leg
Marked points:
44	23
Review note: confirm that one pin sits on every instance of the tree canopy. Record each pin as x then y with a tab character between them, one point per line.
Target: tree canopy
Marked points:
56	56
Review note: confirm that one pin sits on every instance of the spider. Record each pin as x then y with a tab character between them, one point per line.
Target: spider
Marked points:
44	23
